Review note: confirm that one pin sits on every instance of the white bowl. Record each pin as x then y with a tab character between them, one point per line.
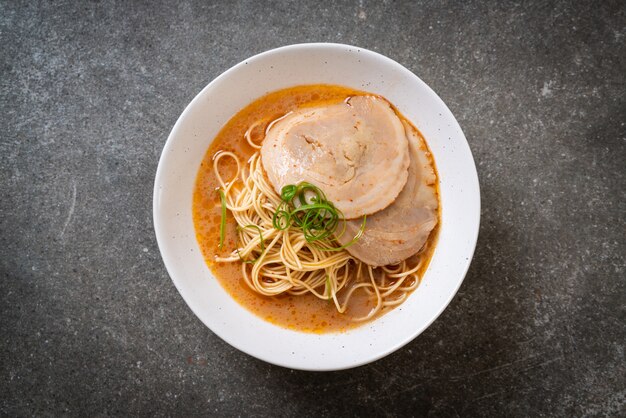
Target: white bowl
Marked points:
311	64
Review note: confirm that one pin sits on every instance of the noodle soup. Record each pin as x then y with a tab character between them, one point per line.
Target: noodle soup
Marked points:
344	292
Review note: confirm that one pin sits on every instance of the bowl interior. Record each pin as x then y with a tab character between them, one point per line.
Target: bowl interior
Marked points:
311	64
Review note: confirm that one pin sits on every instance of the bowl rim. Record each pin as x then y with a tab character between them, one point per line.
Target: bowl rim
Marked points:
169	144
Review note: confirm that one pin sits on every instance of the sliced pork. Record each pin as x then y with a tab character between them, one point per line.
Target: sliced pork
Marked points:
356	152
399	231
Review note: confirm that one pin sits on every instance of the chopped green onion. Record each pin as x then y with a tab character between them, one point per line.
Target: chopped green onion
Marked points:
281	219
245	261
358	235
288	193
223	220
305	206
303	188
262	243
260	233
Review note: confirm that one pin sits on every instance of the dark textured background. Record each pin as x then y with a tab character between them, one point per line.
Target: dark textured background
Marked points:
91	324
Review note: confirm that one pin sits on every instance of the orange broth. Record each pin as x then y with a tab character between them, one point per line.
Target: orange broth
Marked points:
303	313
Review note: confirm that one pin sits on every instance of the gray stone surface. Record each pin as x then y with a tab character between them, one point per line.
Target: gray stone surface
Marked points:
90	321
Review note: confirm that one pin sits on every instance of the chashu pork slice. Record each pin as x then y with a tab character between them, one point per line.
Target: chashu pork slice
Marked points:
401	230
355	151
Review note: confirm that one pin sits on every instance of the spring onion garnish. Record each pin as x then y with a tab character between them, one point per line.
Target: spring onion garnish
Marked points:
288	193
262	243
223	220
305	206
281	219
260	233
358	235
